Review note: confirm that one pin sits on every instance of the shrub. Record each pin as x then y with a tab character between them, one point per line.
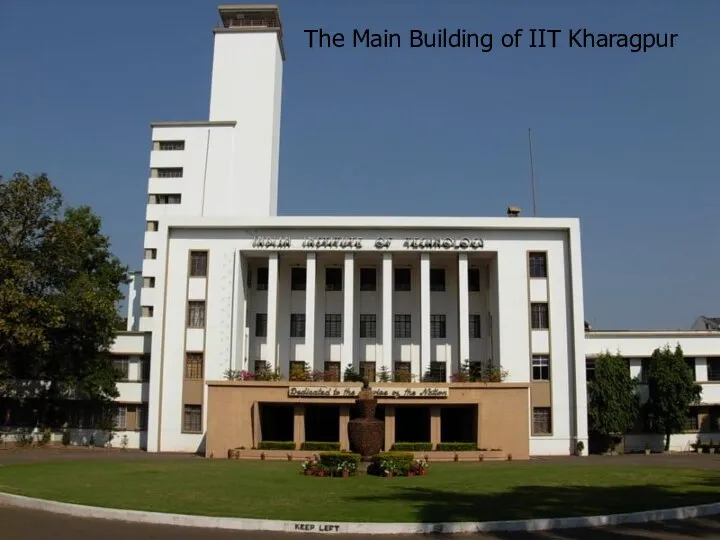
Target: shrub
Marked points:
411	447
320	446
456	447
337	461
276	445
398	463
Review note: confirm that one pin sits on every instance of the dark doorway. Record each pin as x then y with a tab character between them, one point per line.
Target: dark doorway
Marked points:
276	422
322	423
458	424
412	424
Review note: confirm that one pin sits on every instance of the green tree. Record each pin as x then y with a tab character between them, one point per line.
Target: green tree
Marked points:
671	392
59	288
613	402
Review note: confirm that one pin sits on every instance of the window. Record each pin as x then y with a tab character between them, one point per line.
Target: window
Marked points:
691	421
332	371
403	372
165	198
539	316
152	226
198	263
192	418
368	279
333	279
333	325
475	326
540	367
150	253
437	279
169	145
368	325
196	314
713	369
297	325
141	418
262	279
298	279
402	278
298	370
538	264
590	369
120	420
367	370
402	326
193	365
147	311
149	282
542	421
691	364
644	367
438	328
145	369
248	281
168	172
437	372
474	279
123	366
261	325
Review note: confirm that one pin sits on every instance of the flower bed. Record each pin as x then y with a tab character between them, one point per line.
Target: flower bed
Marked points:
332	464
398	464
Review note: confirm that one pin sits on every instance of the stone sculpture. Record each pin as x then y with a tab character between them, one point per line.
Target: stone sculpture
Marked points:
366	433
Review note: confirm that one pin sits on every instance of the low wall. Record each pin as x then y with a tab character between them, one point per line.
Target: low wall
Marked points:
302	455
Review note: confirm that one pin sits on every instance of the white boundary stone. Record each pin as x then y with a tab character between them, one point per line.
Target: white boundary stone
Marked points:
328	527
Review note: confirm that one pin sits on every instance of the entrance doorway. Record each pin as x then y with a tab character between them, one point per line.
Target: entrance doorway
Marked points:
412	424
322	423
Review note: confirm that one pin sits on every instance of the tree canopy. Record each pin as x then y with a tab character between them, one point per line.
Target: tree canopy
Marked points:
613	403
59	288
672	390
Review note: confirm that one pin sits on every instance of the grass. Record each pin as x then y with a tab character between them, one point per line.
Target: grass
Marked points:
450	492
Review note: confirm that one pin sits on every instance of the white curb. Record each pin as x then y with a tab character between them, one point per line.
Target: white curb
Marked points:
329	527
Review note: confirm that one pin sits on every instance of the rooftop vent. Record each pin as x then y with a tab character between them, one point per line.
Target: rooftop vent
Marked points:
513	211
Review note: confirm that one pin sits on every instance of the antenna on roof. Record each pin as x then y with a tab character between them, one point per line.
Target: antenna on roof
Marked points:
532	173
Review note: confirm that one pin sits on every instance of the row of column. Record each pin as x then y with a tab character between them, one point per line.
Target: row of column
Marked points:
387	308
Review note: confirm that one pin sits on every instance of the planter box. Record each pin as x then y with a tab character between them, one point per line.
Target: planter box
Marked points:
488	455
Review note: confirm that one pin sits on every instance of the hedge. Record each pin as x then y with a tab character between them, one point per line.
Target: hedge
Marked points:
401	462
411	447
320	446
456	447
333	460
276	445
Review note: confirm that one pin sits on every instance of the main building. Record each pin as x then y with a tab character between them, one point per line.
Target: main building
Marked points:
230	291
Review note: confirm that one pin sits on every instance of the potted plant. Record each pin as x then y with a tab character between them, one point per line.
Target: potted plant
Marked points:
711	446
289	456
579	447
647	449
262	456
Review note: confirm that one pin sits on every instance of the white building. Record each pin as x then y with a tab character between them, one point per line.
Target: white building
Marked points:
227	284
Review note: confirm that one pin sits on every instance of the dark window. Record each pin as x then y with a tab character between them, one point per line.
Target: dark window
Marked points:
474	279
192	418
437	279
539	316
402	327
538	265
333	325
249	278
402	279
691	421
713	369
145	368
123	366
541	367
333	279
437	372
193	365
367	370
262	279
196	314
297	325
169	172
298	279
438	328
332	371
368	325
171	145
141	418
691	364
590	369
403	372
368	279
198	263
644	367
261	325
542	421
475	326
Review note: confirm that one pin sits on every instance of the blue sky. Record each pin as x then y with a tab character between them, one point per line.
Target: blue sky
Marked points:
626	142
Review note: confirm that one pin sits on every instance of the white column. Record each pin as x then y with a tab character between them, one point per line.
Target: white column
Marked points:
310	296
463	310
348	348
424	314
387	313
272	311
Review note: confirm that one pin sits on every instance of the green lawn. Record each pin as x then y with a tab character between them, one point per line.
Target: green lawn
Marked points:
450	492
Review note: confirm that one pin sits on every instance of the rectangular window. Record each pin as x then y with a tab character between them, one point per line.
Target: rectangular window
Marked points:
590	369
541	367
261	325
141	418
198	263
169	145
333	279
145	369
120	419
333	325
122	365
402	278
368	325
691	364
713	369
149	282
539	316
332	371
644	367
165	198
538	264
542	421
193	365
192	418
691	421
438	327
438	372
298	371
262	279
475	326
368	279
152	226
150	253
474	279
403	372
437	279
367	370
168	172
298	279
147	311
402	326
196	314
297	325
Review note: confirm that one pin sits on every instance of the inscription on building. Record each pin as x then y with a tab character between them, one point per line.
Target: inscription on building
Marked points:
443	243
333	242
264	242
356	243
407	392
